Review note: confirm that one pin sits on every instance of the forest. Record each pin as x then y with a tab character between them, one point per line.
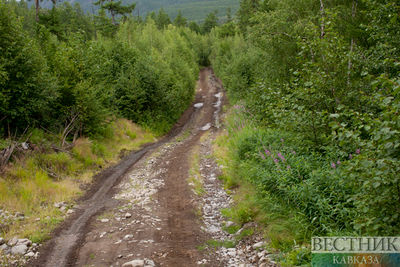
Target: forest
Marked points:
313	126
193	10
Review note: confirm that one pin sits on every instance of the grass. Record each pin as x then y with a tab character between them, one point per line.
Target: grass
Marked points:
280	224
195	179
33	184
212	243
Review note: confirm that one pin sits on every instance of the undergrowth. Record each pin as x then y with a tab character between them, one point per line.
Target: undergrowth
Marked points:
292	194
33	183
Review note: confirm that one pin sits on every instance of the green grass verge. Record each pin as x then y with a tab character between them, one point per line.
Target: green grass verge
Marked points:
34	182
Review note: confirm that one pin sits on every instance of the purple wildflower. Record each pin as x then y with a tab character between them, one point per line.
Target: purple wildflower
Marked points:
288	167
333	165
358	151
294	152
281	157
338	162
276	160
262	155
350	156
267	152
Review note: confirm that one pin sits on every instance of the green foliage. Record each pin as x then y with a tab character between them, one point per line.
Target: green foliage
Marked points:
210	22
56	75
162	19
27	87
327	81
115	8
179	20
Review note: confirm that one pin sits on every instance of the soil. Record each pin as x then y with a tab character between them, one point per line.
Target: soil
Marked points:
144	209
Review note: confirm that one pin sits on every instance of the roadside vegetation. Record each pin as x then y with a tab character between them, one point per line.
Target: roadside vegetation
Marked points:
312	142
77	93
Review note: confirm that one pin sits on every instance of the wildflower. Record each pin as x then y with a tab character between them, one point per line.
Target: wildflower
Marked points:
350	156
358	151
267	152
338	162
333	165
294	152
276	160
288	167
281	156
262	155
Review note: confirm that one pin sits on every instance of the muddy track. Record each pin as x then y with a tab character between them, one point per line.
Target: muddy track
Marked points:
180	233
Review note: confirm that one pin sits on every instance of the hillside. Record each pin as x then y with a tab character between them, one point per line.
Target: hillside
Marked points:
195	10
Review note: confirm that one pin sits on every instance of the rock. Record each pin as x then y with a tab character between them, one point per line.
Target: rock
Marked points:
103	234
128	237
24	241
231	252
59	204
229	224
63	208
19	249
25	145
150	262
13	241
70	211
198	105
3	247
104	220
263	265
128	215
206	127
134	263
262	254
2	241
258	245
30	254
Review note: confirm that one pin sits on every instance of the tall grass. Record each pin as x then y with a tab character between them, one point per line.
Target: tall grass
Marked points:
33	184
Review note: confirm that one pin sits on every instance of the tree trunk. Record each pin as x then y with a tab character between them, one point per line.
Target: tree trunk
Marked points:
113	17
37	10
350	64
322	9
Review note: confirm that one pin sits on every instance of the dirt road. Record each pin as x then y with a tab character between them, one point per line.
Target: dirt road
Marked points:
145	211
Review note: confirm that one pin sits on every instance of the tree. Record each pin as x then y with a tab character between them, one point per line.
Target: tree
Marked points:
228	14
162	19
27	89
194	27
115	8
210	22
246	11
180	21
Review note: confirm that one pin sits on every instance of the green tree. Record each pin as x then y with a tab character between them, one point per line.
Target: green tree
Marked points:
27	90
210	22
115	8
194	27
162	19
179	20
246	11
